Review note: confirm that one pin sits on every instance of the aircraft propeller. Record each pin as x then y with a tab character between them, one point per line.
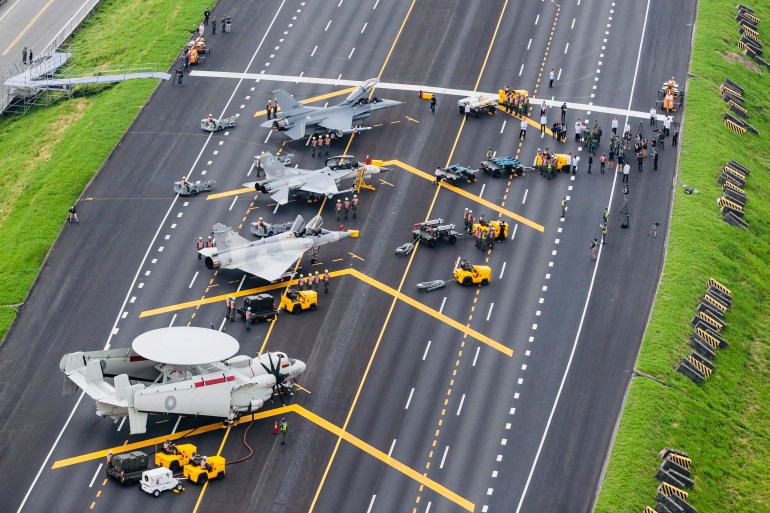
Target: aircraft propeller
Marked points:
278	388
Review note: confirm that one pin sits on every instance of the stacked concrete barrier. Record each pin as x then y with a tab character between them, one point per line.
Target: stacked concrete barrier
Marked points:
706	337
736	119
733	201
674	475
749	41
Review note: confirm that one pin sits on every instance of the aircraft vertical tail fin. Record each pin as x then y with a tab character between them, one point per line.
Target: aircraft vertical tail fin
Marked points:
273	167
226	238
289	106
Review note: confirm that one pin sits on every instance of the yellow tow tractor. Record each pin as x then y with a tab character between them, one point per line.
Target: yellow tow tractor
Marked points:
202	468
296	301
501	228
173	456
469	274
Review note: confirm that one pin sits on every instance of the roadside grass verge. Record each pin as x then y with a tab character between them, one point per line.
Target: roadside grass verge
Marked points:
49	155
724	424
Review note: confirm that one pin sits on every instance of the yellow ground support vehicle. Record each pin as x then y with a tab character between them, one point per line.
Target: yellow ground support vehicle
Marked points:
561	161
176	459
469	274
296	301
215	469
501	228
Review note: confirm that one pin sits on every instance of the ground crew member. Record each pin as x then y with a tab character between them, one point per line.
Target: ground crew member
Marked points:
179	76
354	205
316	281
301	282
491	236
484	240
227	306
604	232
338	209
247	316
490	153
438	175
24	56
209	243
313	144
501	234
640	160
327	143
655	161
563	112
326	279
564	207
233	309
550	79
187	62
258	165
214	27
590	162
433	104
605	215
594	249
199	246
269	108
109	453
206	15
602	163
283	427
72	214
31	59
523	130
346	207
575	162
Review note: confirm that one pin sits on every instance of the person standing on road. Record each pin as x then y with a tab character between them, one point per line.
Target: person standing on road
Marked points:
354	205
338	209
24	56
675	139
543	123
626	171
653	116
199	246
522	130
214	27
604	232
327	143
602	163
590	162
594	249
564	112
187	62
655	161
31	59
346	207
550	79
575	162
269	108
615	126
433	104
179	76
564	207
640	160
283	427
247	317
437	172
605	215
313	144
326	280
206	15
72	215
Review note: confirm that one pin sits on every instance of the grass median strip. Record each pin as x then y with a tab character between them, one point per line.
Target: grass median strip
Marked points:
723	423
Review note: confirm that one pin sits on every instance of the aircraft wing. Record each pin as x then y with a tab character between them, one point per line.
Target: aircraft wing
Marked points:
342	121
297	131
271	265
281	196
321	185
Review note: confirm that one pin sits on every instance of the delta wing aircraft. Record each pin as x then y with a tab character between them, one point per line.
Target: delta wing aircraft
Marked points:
298	120
281	180
270	257
191	371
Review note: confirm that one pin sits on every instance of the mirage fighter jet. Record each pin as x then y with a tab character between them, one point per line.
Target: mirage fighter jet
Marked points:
182	371
299	120
270	257
281	180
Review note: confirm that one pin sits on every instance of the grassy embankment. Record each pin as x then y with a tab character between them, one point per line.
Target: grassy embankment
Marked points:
724	424
48	156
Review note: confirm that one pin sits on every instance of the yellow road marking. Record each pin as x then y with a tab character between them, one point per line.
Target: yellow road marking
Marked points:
300	387
29	25
386	183
355	256
230	193
472	197
315	98
411	119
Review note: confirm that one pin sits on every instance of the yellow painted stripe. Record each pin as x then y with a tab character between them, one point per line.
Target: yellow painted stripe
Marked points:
315	98
230	193
430	311
472	197
29	25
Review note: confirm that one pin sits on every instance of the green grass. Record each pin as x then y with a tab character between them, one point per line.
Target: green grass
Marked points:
48	156
724	424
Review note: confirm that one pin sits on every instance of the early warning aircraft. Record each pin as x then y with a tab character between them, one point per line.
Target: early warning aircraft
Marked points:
270	257
190	371
299	120
281	180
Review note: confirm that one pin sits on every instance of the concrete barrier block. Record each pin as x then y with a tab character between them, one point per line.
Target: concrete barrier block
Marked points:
686	480
665	477
689	370
686	506
663	501
671	465
702	347
734	220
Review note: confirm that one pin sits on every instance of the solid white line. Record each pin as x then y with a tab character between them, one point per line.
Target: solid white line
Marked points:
95	474
443	302
193	280
233	203
443	458
426	351
483	186
313	52
172	321
114	329
373	496
489	313
524	199
391	447
476	357
588	297
462	399
365	24
503	127
327	25
176	425
502	271
122	421
408	401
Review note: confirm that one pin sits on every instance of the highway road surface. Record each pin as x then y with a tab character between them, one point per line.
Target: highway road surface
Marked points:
484	399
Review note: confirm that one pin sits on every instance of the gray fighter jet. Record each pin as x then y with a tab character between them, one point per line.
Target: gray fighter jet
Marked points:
299	120
270	257
281	180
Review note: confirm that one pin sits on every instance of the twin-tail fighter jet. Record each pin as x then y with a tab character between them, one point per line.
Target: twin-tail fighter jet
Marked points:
297	120
281	180
187	371
268	258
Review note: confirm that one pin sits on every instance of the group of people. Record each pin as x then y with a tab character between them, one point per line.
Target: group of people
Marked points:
348	206
515	102
199	245
547	163
314	281
226	22
272	108
26	54
321	143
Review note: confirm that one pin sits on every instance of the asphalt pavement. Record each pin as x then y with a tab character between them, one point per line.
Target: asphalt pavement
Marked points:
510	408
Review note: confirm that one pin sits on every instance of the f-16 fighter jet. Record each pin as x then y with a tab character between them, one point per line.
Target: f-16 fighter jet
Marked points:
282	180
182	371
270	257
299	120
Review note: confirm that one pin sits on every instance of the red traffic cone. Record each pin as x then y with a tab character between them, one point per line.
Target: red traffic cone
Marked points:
275	427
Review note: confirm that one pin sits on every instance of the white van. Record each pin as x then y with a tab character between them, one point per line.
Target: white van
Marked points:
158	480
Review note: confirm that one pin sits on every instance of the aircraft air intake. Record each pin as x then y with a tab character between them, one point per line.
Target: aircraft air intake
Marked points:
213	263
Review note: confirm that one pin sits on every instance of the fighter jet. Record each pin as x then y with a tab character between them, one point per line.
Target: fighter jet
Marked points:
270	257
299	120
281	180
189	371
